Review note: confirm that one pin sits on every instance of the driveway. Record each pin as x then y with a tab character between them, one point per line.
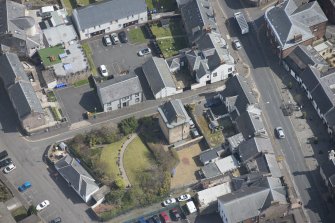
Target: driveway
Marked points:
74	101
117	58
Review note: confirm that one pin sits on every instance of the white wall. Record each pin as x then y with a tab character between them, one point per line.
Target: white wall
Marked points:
222	212
118	104
166	92
222	72
113	26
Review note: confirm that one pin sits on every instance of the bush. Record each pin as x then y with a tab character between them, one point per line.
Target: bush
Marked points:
56	114
128	125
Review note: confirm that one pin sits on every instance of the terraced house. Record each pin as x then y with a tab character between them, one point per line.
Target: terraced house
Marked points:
108	16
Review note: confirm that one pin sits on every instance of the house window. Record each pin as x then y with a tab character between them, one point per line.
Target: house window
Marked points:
120	25
116	20
137	94
230	69
132	16
215	74
125	98
109	104
137	100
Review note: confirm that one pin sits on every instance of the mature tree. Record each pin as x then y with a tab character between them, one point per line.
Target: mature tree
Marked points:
128	125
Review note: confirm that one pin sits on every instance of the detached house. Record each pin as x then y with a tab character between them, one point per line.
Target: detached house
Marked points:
18	30
77	177
174	121
211	61
289	24
108	16
21	93
119	92
198	17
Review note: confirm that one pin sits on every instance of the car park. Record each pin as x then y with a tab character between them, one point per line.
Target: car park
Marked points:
169	201
9	168
165	217
24	186
280	132
42	205
115	39
184	197
5	162
123	37
237	45
3	154
56	220
144	52
194	133
175	214
103	70
107	40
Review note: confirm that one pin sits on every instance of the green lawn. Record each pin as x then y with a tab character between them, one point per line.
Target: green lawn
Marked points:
80	82
109	156
137	157
136	35
50	56
88	53
19	213
171	47
69	5
175	29
51	96
214	139
168	5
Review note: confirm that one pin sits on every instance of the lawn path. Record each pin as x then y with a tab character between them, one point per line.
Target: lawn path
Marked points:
123	149
171	37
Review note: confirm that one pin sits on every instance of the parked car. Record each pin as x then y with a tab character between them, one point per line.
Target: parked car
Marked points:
123	37
194	133
175	214
141	220
3	154
280	132
150	220
237	44
5	162
165	217
156	219
191	124
9	168
107	40
42	205
103	70
56	220
24	186
115	39
169	201
184	197
144	52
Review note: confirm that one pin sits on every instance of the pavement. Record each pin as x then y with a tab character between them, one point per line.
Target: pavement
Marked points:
123	149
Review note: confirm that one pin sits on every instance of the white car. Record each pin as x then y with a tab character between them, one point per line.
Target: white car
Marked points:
169	201
280	132
9	168
184	197
103	70
107	40
237	44
42	205
115	39
144	52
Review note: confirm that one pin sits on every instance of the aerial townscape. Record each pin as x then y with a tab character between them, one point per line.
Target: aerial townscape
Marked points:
162	111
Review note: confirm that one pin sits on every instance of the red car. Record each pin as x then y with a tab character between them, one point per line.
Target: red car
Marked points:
165	217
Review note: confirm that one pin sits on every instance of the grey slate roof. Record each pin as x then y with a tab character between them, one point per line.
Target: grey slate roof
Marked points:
11	69
158	74
119	87
24	99
76	175
235	140
197	15
173	113
210	154
249	201
253	147
289	19
266	165
250	124
210	170
106	12
9	12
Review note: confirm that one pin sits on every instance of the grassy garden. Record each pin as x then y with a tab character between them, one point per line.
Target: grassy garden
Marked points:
80	82
88	53
20	214
214	139
51	96
168	5
171	47
50	56
136	35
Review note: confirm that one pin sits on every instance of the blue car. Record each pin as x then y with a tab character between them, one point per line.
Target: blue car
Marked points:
141	220
24	186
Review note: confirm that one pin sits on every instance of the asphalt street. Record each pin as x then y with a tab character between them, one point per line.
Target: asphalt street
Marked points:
263	76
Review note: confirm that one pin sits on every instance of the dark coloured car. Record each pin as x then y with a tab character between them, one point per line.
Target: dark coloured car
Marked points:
156	219
56	220
175	214
123	37
3	154
5	162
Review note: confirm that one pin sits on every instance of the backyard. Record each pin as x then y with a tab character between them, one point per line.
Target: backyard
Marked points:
136	35
213	138
164	5
50	56
88	53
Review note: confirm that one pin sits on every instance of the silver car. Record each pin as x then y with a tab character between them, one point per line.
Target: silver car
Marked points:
237	44
280	132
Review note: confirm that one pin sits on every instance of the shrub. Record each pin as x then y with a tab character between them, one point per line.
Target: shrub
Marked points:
128	125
